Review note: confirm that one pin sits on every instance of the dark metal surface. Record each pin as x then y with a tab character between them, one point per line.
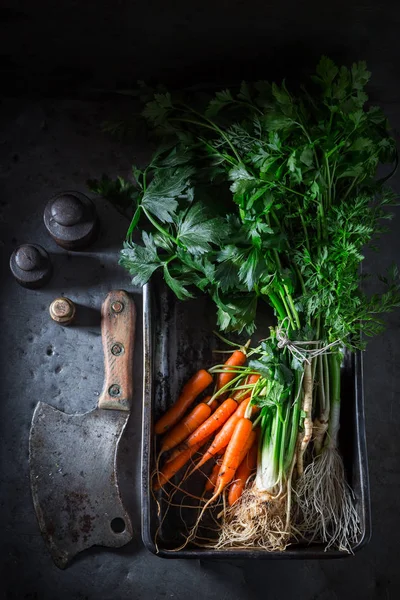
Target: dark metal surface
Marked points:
71	220
57	144
168	349
31	266
74	481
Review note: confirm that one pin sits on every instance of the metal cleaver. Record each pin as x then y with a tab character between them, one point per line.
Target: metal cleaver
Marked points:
73	458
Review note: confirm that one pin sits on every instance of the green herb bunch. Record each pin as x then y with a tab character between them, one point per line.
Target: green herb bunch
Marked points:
303	201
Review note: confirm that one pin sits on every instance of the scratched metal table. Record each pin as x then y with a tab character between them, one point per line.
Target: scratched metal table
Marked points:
53	145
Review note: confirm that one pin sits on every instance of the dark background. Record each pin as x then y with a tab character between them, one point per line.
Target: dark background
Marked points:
57	60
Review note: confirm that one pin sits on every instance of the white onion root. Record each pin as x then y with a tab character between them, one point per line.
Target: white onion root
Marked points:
325	500
320	428
256	520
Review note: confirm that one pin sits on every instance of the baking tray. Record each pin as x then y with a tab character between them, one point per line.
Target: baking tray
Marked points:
178	340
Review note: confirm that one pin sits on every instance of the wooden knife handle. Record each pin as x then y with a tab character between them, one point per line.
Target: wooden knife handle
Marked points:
118	316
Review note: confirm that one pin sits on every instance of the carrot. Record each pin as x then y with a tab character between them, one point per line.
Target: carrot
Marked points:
218	418
212	479
251	439
223	437
184	428
172	467
234	454
240	394
236	359
242	474
190	391
214	404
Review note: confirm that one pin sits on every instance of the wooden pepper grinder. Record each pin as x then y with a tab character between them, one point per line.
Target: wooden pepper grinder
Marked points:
30	264
71	220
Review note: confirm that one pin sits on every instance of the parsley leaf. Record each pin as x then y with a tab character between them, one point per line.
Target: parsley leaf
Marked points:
161	196
252	269
222	100
197	232
140	261
123	194
177	286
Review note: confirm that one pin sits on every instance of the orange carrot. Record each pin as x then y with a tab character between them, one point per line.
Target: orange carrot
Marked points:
236	359
234	454
172	467
212	479
190	391
222	438
214	404
232	459
250	440
240	394
184	428
218	418
242	474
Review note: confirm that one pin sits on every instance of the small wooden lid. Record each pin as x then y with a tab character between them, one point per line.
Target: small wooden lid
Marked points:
62	310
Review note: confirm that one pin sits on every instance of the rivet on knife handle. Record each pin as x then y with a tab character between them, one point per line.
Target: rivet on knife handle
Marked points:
118	315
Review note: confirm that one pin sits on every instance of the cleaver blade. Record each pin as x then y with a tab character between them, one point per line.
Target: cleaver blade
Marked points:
73	457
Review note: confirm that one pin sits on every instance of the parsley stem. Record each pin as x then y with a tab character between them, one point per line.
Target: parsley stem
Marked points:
277	305
277	259
328	176
289	305
300	277
225	157
318	227
192	122
161	229
307	241
323	230
309	141
292	306
252	106
349	188
170	259
275	218
318	327
290	190
288	313
216	128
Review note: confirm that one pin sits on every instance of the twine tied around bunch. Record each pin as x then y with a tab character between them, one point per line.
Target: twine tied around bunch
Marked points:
300	350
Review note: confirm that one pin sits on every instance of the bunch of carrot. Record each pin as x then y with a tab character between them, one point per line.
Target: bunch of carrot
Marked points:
224	428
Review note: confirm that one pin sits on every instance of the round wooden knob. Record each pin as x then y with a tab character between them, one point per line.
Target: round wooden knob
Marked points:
30	264
71	220
62	310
